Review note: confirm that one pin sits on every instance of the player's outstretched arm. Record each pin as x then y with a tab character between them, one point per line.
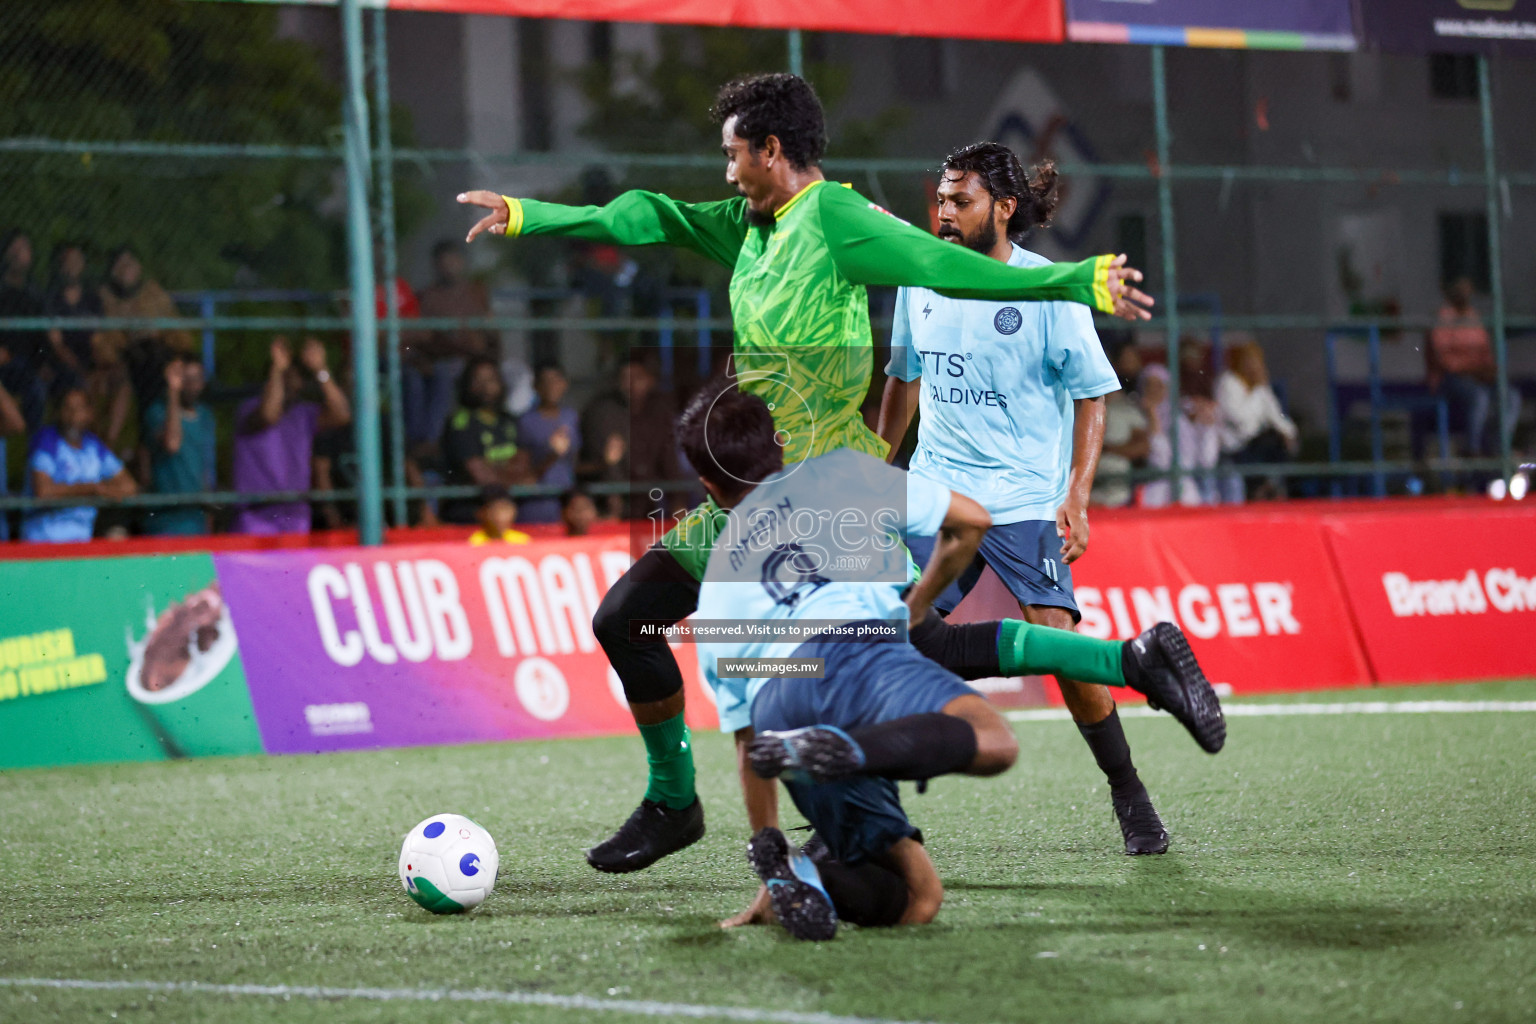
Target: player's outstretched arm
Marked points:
715	230
873	247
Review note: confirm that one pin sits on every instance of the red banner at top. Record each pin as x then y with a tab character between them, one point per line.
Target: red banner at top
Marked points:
1022	21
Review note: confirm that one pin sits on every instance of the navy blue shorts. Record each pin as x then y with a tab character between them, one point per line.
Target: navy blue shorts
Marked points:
1026	557
865	683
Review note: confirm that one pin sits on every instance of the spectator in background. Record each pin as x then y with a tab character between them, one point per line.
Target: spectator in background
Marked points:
22	352
577	512
496	515
435	359
135	359
627	437
551	434
1460	367
180	437
275	436
480	440
1127	440
11	422
1199	441
1196	376
1254	429
72	349
68	461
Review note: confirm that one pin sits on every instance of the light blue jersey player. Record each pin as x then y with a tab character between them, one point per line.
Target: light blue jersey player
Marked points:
1012	413
802	631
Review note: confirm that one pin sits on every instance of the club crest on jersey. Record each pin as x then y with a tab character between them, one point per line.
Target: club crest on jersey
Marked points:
1008	320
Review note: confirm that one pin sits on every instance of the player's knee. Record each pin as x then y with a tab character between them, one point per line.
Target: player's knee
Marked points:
610	623
923	907
997	748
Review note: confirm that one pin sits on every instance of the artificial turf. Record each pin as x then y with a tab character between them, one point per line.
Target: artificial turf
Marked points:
1338	868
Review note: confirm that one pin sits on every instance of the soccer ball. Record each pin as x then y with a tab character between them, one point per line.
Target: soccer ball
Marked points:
448	864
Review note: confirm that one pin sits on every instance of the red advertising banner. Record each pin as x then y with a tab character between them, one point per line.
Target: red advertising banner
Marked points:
381	647
1024	21
1442	596
1255	593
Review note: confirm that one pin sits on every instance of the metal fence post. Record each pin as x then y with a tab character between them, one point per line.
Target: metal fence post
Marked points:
796	54
365	339
1170	264
1495	270
386	176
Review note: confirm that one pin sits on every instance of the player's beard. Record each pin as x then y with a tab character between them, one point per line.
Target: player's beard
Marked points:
984	240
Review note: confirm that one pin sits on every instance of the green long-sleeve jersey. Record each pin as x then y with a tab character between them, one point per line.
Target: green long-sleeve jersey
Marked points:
798	300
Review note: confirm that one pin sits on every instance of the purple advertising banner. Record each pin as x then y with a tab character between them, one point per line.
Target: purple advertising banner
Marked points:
349	648
1273	24
1450	26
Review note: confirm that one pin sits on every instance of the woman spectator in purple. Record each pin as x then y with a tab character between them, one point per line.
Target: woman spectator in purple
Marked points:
275	436
551	433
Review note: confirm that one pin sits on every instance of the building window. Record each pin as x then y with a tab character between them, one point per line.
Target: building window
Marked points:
1453	76
1464	248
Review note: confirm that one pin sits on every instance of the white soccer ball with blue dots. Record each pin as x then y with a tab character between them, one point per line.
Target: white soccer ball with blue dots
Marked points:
448	864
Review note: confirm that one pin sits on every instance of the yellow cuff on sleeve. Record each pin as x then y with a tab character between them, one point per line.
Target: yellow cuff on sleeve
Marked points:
514	216
1102	300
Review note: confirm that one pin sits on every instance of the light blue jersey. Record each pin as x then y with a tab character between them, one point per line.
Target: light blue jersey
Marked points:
999	379
819	541
63	463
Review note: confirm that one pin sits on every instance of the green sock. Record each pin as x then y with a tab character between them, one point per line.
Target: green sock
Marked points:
670	756
1029	650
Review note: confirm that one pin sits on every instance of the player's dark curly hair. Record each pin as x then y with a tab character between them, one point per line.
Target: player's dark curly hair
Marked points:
727	435
1037	192
778	104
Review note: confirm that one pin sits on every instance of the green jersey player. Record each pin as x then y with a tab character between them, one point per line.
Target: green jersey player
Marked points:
802	251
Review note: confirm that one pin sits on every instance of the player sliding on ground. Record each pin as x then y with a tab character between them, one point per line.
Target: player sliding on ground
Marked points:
808	567
802	251
1012	399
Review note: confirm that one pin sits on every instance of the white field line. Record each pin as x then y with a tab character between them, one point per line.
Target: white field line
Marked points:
1377	707
639	1007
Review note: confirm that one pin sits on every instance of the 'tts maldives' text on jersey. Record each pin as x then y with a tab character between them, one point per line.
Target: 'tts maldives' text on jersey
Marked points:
819	541
998	382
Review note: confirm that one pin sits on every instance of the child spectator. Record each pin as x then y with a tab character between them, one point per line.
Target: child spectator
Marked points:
497	514
68	461
578	512
181	448
551	433
1199	443
275	437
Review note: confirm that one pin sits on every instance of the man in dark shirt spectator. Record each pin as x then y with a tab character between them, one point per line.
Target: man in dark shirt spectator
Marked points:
21	351
551	432
435	359
181	448
11	422
480	440
627	438
275	437
72	349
